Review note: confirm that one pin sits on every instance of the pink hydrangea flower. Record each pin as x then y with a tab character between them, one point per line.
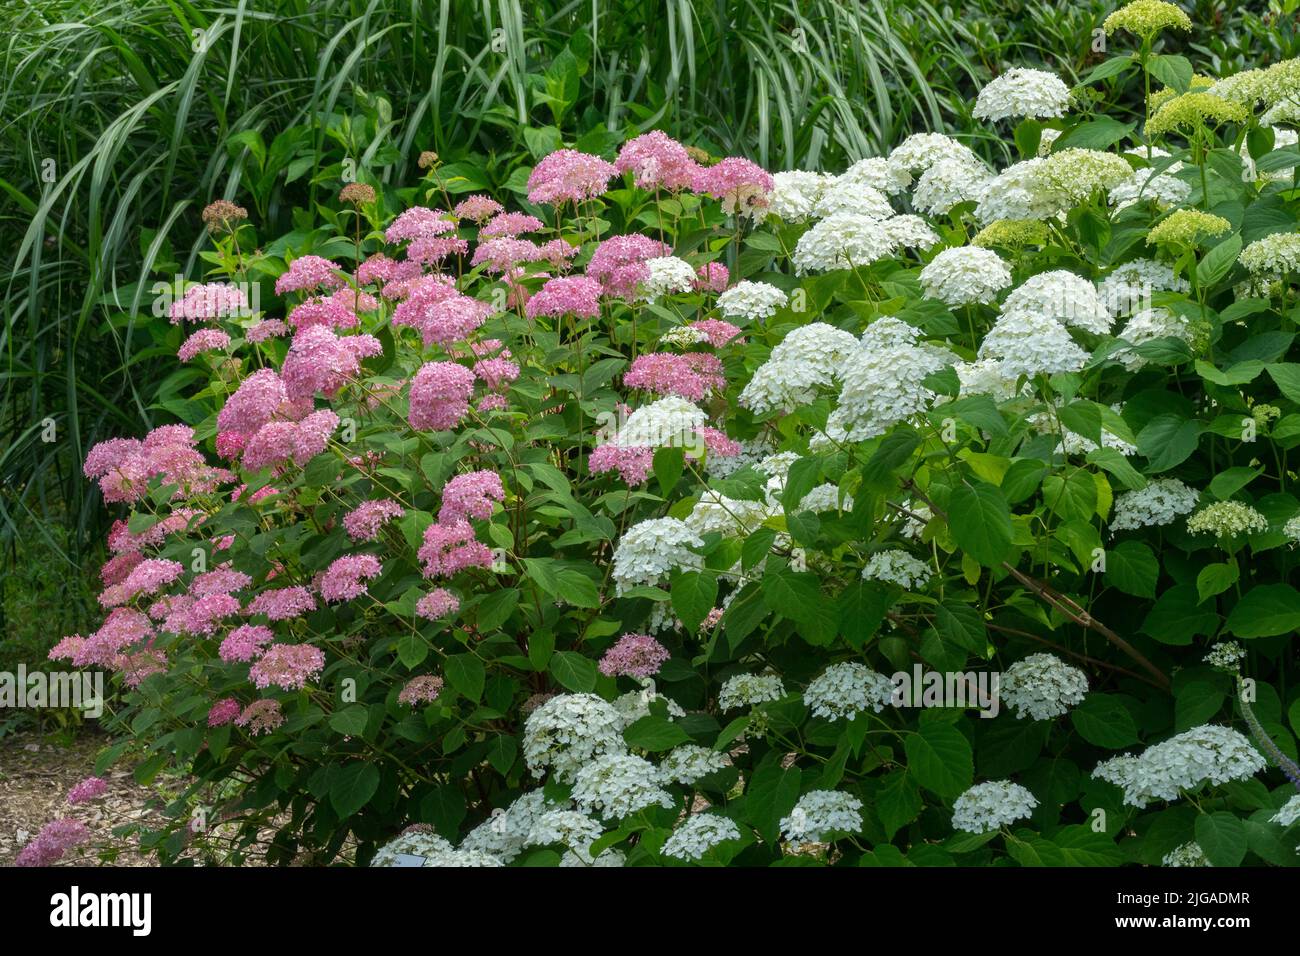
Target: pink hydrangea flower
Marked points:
209	300
345	578
441	314
419	222
510	224
222	580
309	273
567	175
261	717
223	712
266	329
364	522
477	208
743	186
619	263
204	340
657	161
632	462
287	666
717	331
568	295
54	840
691	376
88	789
421	690
449	548
282	604
471	495
503	254
245	643
439	396
713	277
437	603
323	310
635	655
320	361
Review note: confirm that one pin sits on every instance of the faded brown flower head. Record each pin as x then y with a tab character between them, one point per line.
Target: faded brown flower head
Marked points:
358	194
428	159
223	216
699	155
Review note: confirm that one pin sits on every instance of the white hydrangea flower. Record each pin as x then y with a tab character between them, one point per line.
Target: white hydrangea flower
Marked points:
1019	92
413	843
1272	255
1161	502
730	517
749	690
1042	686
650	549
985	377
879	173
849	197
1063	296
897	567
847	689
698	834
609	857
635	704
920	151
991	806
1226	655
1150	185
682	336
1189	854
825	497
1045	140
505	833
778	465
1292	530
910	232
752	301
575	830
1281	137
1020	193
795	193
965	275
1289	813
884	382
687	763
1030	343
671	421
616	785
819	813
568	731
1072	443
1128	288
914	527
1227	519
1209	753
843	240
807	359
667	275
752	451
947	182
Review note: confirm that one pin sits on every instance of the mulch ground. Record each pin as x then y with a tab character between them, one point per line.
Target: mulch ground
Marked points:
35	776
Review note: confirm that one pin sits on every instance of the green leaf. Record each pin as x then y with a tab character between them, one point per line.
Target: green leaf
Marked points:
466	674
350	721
1218	262
1101	133
655	734
1227	483
862	607
669	463
894	449
411	651
694	593
1215	579
1223	838
1266	610
1286	375
1104	721
1172	70
1177	616
1132	568
981	522
1167	441
502	751
939	757
573	671
898	801
351	787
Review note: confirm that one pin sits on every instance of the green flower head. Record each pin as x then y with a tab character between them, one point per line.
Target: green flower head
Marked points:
1012	234
1187	227
1146	18
1192	111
